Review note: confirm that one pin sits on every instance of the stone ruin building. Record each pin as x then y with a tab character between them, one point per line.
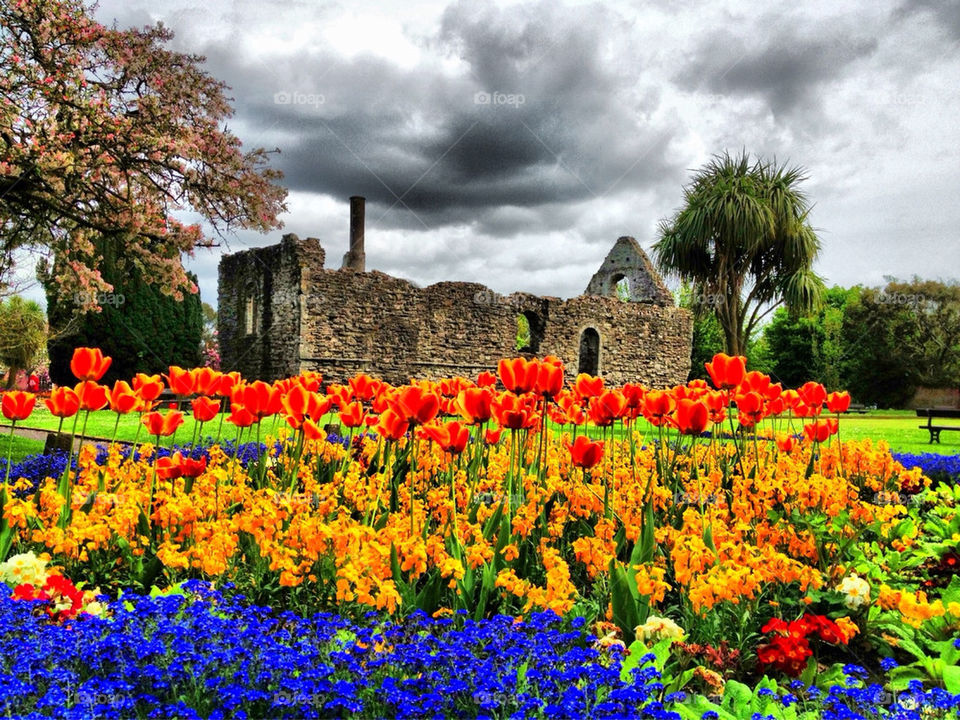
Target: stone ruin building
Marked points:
281	312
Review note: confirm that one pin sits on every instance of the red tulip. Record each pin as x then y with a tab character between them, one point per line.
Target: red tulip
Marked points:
820	430
608	407
204	409
206	380
838	402
122	398
486	379
17	405
93	396
691	417
353	415
587	386
89	363
513	412
168	467
63	402
191	468
148	387
657	406
726	371
550	377
162	425
492	436
584	453
239	416
392	425
419	406
182	382
750	408
452	437
474	404
518	375
814	395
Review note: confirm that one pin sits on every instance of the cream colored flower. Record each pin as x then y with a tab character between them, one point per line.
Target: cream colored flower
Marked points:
24	568
658	628
856	591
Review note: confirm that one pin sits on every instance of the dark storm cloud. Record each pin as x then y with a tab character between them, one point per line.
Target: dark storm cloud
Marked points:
945	12
786	69
536	113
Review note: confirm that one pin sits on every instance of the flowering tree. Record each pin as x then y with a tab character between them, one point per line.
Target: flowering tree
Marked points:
104	132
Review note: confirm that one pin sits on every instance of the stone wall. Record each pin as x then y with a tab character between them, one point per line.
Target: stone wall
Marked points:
341	322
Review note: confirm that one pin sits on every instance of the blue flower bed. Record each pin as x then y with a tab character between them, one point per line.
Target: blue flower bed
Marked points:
37	467
939	468
213	657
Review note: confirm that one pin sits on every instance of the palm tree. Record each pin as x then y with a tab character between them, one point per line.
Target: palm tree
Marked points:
743	240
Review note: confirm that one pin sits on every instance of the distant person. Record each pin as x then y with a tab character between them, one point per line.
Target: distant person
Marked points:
33	384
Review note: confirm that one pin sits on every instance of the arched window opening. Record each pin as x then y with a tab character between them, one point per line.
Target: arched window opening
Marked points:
530	327
589	361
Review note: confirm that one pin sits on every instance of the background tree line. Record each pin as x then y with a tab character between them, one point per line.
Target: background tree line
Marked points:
881	344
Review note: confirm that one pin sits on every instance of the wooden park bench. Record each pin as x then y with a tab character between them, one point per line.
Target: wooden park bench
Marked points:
936	414
857	408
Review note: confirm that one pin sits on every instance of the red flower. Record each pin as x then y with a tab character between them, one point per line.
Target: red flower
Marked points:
691	417
550	377
838	402
204	409
162	425
727	371
514	412
17	405
168	467
392	425
182	382
475	404
657	406
419	406
820	430
584	453
518	375
122	398
452	437
353	415
63	402
93	396
148	387
587	386
89	363
608	407
239	416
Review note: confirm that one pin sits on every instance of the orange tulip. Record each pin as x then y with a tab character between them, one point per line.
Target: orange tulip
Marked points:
228	381
518	375
838	402
727	371
148	387
550	377
691	416
608	407
239	416
364	387
584	453
182	382
513	412
814	395
452	437
310	379
392	425
17	405
353	415
587	386
486	379
657	406
162	425
492	437
312	431
63	402
168	467
204	409
93	396
122	398
820	430
206	380
260	398
89	363
419	406
474	404
750	408
295	404
786	443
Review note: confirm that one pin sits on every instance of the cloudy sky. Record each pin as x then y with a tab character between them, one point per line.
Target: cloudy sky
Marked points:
511	143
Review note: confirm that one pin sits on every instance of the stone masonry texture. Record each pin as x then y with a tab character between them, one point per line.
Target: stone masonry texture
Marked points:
281	312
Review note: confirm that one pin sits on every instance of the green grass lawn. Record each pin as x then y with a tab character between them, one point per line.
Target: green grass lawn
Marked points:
900	428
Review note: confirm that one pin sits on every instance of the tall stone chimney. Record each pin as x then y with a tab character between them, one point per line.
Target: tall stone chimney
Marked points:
355	259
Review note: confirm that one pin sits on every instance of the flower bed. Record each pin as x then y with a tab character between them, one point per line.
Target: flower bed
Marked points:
777	554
